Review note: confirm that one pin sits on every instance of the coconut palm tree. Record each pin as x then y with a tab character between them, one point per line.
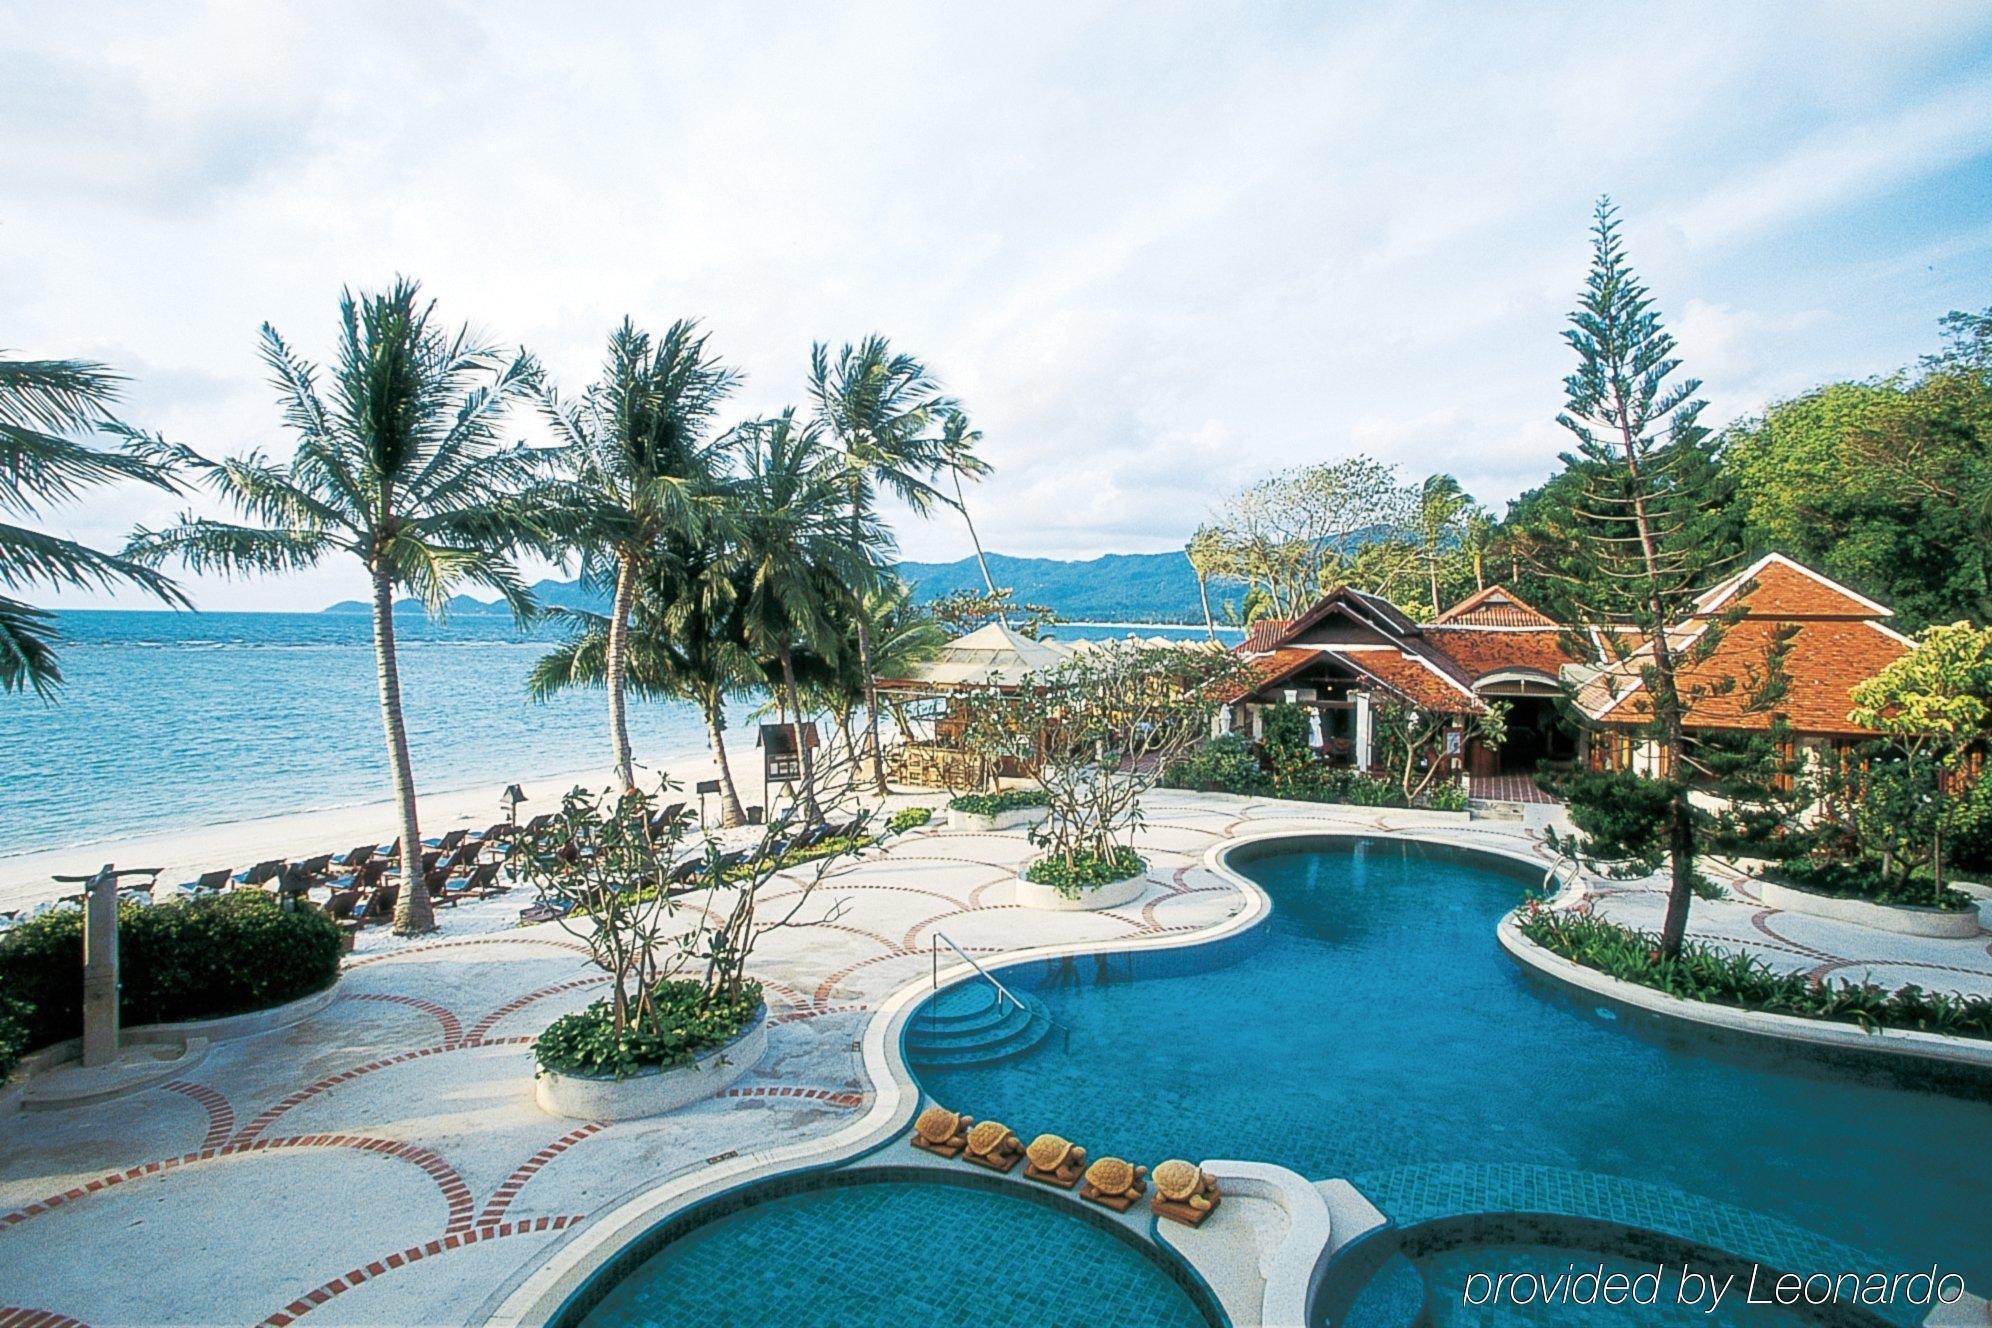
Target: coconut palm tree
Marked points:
48	411
398	464
637	471
802	553
958	444
903	636
685	640
883	410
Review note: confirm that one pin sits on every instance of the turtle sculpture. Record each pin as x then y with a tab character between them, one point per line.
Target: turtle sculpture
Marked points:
1183	1192
942	1132
1113	1183
992	1144
1054	1161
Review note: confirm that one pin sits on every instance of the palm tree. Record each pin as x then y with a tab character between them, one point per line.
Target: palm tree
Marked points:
801	552
48	409
958	444
685	641
399	465
903	635
880	408
637	471
1438	526
1209	556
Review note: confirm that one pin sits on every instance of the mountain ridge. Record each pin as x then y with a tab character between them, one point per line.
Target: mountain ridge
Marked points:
1113	587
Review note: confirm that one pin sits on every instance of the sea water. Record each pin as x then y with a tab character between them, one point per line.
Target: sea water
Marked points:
173	720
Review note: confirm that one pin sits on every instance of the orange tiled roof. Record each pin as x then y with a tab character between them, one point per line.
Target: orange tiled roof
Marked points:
1272	668
1266	634
1479	653
1496	606
1839	642
1414	681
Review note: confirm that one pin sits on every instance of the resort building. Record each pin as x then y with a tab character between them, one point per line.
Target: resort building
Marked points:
1353	649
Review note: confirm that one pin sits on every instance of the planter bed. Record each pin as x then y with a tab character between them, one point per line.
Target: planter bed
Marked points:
1111	895
1904	919
1013	819
654	1092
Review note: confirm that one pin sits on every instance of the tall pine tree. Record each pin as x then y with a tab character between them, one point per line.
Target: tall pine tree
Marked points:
1646	510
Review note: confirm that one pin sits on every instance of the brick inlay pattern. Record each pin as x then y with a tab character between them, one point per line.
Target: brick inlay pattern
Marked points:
452	1026
310	1300
508	1189
221	1115
836	1097
455	1193
270	1115
14	1317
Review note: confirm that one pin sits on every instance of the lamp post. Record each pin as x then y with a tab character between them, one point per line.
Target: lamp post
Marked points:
510	800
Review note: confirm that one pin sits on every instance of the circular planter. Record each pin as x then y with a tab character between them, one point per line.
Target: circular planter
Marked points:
1111	895
1905	919
1015	818
653	1092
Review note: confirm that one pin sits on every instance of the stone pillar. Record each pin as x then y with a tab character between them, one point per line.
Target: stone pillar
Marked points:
100	970
1363	735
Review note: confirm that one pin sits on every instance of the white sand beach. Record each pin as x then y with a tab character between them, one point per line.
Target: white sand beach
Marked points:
26	878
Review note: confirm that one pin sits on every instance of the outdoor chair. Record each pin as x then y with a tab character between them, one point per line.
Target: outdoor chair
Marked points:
260	874
208	882
357	858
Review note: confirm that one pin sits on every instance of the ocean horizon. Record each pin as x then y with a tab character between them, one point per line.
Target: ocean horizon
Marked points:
170	721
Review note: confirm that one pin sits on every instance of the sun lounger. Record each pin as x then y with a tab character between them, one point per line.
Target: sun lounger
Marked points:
260	874
357	858
207	883
448	843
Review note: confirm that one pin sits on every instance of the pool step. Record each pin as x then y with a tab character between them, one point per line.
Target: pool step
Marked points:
974	1025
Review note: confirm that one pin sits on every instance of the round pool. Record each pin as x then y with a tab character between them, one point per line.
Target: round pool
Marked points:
882	1250
1373	1029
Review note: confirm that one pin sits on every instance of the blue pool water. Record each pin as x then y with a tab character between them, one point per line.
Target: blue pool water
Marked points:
895	1254
1374	1029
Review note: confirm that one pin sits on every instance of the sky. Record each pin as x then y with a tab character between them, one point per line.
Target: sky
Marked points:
1156	250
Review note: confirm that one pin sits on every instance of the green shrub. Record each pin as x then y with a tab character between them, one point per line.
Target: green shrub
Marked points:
909	818
183	959
1863	879
1735	978
1448	797
995	804
1085	871
688	1023
1225	764
14	1014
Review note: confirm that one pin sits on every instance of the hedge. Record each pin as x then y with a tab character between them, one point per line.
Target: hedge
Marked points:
184	959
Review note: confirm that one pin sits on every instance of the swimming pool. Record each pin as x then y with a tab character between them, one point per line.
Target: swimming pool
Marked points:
887	1249
1373	1029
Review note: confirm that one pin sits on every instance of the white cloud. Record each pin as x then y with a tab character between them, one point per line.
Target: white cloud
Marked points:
1156	251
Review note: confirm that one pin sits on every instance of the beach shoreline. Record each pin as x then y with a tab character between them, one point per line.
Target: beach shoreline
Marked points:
183	854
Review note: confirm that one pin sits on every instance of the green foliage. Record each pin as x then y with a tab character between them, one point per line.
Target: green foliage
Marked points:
14	1017
1448	797
909	818
183	959
1938	697
962	611
1285	727
1721	977
1863	878
995	804
1078	872
1621	818
688	1021
1225	764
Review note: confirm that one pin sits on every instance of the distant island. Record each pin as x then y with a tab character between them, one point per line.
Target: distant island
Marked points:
1114	587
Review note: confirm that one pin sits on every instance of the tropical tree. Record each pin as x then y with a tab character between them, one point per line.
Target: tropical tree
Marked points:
684	641
1210	556
801	555
1439	527
400	465
1649	556
882	408
637	474
1297	534
49	410
958	442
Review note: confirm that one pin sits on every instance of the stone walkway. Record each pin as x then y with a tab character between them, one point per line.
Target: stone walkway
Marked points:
384	1162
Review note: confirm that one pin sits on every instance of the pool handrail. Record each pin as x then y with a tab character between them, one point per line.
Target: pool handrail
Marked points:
1002	992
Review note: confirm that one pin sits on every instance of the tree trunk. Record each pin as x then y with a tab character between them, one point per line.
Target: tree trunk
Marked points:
412	910
809	808
616	668
1203	593
876	756
961	505
729	796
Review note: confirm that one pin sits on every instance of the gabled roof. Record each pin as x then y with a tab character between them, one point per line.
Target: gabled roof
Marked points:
1496	606
1372	611
1415	678
1266	634
993	654
1778	587
1839	641
1480	652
